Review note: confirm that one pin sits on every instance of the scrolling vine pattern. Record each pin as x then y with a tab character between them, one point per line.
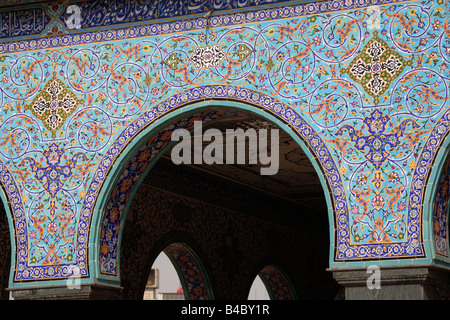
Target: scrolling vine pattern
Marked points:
377	98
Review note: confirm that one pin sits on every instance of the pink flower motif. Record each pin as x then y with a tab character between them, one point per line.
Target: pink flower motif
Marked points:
378	202
52	228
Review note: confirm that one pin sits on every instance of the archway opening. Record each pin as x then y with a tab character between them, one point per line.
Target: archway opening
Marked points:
236	216
258	290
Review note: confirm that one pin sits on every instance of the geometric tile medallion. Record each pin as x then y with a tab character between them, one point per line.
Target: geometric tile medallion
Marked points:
54	104
376	67
207	57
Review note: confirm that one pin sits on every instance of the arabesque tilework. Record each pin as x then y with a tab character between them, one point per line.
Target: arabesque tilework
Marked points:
188	266
368	95
276	282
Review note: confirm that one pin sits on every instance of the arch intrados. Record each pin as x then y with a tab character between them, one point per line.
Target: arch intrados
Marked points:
188	267
277	283
268	267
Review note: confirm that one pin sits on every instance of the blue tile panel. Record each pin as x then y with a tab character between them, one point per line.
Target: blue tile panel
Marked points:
365	88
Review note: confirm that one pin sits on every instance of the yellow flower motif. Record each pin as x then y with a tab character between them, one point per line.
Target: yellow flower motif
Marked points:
271	32
343	170
412	164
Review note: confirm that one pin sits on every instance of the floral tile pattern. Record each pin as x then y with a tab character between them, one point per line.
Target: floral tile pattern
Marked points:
368	94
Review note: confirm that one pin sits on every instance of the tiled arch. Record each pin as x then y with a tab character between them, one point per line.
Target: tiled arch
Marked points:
277	283
133	170
194	281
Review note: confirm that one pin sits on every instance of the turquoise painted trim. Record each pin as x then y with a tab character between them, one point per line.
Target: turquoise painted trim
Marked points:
110	182
104	196
142	137
429	199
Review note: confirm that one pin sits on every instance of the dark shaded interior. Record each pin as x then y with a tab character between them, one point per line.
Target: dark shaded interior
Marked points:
236	220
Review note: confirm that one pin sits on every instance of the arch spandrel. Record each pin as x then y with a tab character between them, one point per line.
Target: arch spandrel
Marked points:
372	105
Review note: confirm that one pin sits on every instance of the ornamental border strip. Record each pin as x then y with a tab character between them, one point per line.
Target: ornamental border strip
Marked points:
186	24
